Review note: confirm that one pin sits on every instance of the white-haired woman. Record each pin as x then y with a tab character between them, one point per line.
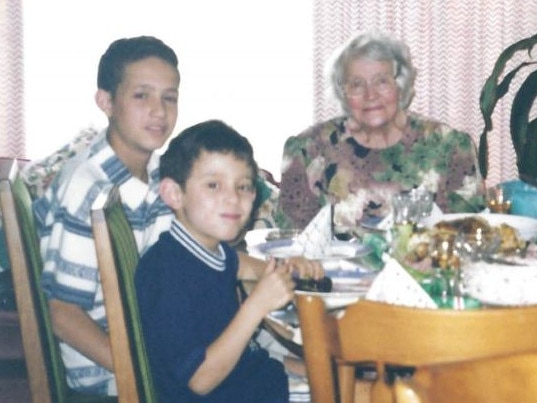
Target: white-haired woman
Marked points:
378	147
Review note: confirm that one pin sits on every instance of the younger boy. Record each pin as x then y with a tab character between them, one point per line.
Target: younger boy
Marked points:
197	333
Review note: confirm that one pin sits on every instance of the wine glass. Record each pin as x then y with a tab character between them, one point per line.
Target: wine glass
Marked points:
448	284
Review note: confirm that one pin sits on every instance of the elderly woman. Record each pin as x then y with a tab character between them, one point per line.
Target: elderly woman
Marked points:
358	161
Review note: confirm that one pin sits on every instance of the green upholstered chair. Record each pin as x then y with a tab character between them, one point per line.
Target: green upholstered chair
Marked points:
117	256
46	373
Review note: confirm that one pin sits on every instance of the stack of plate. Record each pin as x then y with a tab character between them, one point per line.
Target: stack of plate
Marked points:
350	278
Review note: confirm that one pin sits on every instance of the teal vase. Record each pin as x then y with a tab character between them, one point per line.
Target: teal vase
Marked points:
523	198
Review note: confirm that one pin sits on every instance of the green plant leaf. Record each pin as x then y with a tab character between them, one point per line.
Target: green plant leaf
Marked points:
507	54
494	89
520	111
527	166
483	154
490	92
494	92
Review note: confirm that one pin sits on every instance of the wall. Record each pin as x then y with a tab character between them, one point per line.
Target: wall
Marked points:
246	62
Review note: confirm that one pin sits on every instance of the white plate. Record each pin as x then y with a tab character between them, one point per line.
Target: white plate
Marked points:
335	300
346	278
343	293
288	248
257	236
526	226
372	223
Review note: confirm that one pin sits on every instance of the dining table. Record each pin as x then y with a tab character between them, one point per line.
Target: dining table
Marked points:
351	269
359	267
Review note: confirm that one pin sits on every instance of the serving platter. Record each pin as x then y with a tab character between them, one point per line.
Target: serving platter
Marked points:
526	226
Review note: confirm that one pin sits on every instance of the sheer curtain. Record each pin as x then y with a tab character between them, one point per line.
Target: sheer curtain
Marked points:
454	45
11	79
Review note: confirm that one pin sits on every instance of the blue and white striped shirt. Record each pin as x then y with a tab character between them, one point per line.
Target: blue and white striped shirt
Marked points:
70	271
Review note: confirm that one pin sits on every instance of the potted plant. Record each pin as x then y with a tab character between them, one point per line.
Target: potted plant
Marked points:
523	127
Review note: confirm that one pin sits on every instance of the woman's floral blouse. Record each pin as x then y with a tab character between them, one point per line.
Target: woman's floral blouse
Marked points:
325	164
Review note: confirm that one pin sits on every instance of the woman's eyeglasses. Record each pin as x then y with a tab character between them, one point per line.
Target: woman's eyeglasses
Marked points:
381	84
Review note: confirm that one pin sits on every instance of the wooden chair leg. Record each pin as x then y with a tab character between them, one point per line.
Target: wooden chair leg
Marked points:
381	392
408	391
362	391
347	380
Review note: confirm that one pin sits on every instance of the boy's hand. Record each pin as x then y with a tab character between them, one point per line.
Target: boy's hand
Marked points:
305	268
274	289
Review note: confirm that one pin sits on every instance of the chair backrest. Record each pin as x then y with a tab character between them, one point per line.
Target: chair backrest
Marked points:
117	256
46	373
44	366
384	334
511	378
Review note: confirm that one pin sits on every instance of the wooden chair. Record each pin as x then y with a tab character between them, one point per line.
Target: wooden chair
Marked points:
44	365
11	351
453	351
503	379
117	256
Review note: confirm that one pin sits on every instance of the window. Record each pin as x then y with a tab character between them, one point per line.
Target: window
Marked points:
246	62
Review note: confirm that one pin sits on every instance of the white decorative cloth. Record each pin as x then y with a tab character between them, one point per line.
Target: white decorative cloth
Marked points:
395	285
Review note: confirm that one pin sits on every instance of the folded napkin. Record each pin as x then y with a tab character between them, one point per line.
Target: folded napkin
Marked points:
395	285
316	238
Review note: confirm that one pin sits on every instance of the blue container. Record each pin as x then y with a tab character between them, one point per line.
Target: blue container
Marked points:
523	198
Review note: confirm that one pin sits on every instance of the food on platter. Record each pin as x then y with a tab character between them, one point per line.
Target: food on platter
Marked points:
418	246
466	225
526	226
508	237
450	236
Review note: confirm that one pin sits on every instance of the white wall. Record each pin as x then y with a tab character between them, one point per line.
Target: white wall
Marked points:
248	62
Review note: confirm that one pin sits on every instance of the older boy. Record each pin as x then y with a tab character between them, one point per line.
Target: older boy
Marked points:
198	336
138	82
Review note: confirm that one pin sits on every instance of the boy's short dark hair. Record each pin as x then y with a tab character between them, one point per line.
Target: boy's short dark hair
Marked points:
124	51
211	136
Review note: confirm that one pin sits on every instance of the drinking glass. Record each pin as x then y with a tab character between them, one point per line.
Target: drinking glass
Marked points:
443	252
405	208
498	200
477	246
409	206
447	281
425	201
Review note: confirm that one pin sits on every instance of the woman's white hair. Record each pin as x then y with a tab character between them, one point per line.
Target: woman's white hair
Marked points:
379	47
